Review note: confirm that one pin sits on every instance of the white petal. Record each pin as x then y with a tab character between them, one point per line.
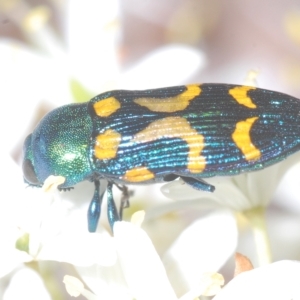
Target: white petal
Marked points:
230	195
287	195
105	282
10	257
11	188
283	229
203	247
289	162
60	230
93	31
29	79
164	63
277	281
259	186
209	284
26	284
80	249
141	265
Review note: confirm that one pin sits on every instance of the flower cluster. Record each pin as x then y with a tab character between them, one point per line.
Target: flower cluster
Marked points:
185	244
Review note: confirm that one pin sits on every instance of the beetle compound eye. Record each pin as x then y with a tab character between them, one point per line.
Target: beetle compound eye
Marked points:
29	173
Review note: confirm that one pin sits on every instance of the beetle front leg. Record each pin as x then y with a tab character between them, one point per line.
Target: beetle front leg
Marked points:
112	212
94	210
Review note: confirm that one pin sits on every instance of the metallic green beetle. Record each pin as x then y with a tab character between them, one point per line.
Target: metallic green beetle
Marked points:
142	137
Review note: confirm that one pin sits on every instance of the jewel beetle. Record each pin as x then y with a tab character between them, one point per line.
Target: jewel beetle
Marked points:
142	137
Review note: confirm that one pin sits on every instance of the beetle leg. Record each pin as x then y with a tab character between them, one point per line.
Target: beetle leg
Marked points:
198	184
124	200
112	213
94	210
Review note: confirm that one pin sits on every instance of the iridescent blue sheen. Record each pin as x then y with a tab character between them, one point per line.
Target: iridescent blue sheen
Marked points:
64	141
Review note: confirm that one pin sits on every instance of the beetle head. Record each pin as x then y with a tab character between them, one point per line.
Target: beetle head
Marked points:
59	146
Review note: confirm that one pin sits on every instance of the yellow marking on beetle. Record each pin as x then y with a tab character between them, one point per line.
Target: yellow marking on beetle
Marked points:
240	94
176	127
107	144
171	104
138	174
106	107
241	137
